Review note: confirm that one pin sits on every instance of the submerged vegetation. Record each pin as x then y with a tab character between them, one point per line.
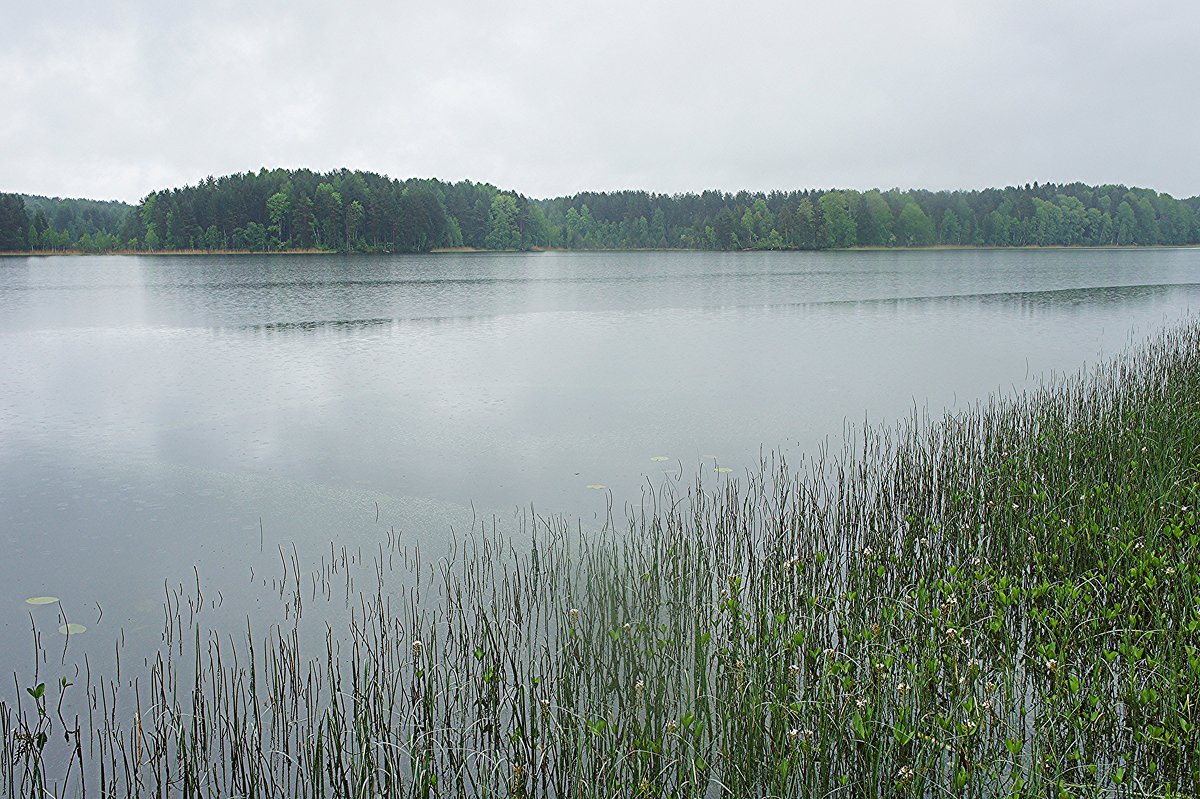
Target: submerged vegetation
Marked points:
351	211
1005	602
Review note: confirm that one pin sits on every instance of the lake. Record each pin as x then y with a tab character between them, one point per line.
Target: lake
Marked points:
164	419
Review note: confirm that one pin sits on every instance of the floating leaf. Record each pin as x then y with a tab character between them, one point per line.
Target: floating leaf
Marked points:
597	485
71	629
722	469
660	458
41	600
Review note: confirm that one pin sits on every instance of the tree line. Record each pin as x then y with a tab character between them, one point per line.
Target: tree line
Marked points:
281	210
352	211
54	224
1032	215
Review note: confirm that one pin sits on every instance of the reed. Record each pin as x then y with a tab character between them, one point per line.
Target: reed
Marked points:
1003	602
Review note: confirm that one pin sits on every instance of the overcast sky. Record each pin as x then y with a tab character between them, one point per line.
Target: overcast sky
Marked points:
114	99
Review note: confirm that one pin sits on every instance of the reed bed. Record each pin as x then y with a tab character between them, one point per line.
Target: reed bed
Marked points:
999	603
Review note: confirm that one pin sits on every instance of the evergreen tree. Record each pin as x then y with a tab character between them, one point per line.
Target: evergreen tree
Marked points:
806	225
14	223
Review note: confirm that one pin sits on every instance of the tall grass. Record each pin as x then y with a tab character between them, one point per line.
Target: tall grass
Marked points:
999	603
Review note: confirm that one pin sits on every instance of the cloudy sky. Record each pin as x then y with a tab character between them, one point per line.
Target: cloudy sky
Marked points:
113	99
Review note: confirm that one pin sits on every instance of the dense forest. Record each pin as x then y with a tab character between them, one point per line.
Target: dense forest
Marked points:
350	211
55	224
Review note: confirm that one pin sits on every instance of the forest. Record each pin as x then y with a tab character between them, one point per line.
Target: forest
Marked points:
354	211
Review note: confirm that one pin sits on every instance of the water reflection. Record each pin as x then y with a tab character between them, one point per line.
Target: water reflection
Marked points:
156	409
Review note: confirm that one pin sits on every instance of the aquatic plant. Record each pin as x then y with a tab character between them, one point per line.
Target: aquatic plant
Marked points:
1003	602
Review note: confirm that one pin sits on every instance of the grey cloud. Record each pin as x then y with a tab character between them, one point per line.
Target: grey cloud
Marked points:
549	98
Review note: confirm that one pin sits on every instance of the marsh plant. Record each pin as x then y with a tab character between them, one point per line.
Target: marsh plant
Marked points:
1003	602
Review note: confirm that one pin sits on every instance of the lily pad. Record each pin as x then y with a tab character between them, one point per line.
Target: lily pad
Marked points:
660	458
71	629
41	600
597	485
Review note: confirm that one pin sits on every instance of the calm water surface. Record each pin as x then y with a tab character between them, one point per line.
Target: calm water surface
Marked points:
162	417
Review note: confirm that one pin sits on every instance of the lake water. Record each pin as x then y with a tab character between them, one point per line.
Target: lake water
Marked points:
165	417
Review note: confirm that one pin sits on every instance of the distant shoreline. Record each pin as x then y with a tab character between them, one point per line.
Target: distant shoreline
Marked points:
351	210
37	253
469	250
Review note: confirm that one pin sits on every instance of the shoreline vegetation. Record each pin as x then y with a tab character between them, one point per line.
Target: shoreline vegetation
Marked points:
47	253
1004	602
482	251
351	211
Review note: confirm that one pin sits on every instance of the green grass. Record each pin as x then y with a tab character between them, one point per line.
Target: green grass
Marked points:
1000	603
